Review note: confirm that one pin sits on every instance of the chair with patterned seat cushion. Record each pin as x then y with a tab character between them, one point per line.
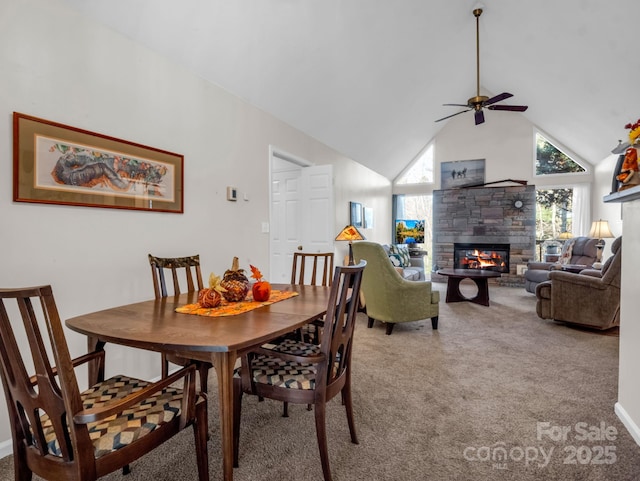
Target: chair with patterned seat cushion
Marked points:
187	269
306	373
60	433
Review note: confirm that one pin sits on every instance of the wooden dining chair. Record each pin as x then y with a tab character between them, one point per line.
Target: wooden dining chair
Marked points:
307	267
60	433
313	269
308	373
187	270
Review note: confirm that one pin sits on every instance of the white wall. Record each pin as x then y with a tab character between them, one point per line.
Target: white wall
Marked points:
628	405
59	66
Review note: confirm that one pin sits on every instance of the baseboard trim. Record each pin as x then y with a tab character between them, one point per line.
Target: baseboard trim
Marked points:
6	448
631	426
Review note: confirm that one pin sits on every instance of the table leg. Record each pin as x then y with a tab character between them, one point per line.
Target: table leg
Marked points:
482	297
95	373
453	290
223	363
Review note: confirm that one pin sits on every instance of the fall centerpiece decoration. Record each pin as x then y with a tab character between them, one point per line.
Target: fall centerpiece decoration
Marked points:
261	289
235	283
211	297
634	131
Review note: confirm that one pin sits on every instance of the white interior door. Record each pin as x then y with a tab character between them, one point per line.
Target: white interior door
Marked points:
302	213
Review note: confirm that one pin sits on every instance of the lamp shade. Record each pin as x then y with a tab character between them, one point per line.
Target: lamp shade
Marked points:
349	233
600	230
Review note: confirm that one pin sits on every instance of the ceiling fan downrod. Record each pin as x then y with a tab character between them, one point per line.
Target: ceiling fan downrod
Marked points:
476	101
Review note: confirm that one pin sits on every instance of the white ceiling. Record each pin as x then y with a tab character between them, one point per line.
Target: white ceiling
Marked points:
369	77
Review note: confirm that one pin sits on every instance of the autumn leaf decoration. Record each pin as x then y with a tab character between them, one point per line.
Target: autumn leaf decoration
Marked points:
261	290
214	283
255	273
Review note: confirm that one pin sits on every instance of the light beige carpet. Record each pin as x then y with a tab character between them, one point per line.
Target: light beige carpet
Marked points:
442	405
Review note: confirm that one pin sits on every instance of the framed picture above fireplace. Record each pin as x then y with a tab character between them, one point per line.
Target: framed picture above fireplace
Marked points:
461	173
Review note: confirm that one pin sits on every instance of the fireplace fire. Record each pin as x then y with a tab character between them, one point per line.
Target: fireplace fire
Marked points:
492	257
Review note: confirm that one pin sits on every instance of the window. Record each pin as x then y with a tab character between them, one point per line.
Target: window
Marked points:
551	160
421	170
418	207
554	213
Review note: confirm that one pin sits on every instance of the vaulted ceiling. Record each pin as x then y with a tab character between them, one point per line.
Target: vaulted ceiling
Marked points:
369	77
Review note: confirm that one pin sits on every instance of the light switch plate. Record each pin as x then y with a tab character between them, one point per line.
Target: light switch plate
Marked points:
232	193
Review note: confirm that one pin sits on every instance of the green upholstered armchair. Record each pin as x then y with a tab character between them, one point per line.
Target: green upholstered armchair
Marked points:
387	296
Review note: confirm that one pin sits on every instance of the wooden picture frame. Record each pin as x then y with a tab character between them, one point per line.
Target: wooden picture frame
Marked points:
355	214
54	163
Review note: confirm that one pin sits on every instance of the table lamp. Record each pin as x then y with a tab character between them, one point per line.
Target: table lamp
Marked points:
350	233
600	230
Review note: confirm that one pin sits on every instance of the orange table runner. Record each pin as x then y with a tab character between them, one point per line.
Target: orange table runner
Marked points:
227	308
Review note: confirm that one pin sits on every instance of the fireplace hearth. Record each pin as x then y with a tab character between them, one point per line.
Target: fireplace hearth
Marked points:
492	257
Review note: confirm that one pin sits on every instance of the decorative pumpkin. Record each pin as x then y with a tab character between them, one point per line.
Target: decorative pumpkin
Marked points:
261	289
211	297
235	283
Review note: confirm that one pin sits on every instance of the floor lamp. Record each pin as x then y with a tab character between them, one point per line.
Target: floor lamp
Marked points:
600	230
350	233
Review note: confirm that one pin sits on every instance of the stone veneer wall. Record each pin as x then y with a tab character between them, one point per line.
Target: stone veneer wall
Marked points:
485	215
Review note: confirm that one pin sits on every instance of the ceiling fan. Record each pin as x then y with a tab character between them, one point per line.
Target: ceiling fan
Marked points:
479	102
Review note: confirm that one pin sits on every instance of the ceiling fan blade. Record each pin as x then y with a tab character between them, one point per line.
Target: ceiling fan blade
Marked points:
456	105
498	98
479	117
453	115
511	108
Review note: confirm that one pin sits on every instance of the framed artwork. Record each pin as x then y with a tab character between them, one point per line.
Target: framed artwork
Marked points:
368	218
461	173
355	214
58	164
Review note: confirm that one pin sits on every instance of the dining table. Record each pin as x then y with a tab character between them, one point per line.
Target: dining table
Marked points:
155	325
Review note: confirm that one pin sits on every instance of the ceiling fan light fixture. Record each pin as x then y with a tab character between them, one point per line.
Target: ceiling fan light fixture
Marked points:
478	102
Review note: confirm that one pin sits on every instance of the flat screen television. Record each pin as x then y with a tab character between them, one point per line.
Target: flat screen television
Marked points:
409	231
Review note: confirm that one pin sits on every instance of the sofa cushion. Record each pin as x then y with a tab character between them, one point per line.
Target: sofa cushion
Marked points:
411	273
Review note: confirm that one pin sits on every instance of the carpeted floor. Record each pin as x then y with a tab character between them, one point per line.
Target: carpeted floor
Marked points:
486	397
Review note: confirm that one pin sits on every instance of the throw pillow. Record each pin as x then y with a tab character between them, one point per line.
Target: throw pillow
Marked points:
567	252
396	260
403	251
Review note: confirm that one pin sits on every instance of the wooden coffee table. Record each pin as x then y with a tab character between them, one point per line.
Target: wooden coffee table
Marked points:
479	276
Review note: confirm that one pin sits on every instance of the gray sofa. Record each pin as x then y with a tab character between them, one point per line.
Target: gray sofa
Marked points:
583	252
413	272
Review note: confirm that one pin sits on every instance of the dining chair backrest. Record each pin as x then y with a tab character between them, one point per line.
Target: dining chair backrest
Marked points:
29	396
190	266
339	323
312	268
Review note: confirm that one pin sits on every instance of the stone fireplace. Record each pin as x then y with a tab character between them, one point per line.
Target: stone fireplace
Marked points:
499	220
